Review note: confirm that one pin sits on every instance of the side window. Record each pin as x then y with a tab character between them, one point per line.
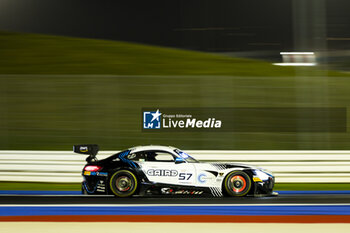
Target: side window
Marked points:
159	156
139	156
164	157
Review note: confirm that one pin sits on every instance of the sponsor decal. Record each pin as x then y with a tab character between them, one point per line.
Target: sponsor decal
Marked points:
101	187
185	176
161	172
192	192
201	178
102	173
87	173
167	191
179	191
131	156
257	179
83	149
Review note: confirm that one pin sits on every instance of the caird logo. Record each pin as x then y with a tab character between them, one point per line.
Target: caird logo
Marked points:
161	172
83	149
151	120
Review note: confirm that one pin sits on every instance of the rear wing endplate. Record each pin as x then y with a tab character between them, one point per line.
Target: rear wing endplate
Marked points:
87	149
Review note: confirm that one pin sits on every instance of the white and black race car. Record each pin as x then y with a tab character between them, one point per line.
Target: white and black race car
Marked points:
165	170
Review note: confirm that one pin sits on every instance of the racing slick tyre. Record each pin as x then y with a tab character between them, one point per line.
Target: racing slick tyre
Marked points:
123	183
237	184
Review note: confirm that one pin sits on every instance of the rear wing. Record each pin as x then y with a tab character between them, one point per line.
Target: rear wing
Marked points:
87	149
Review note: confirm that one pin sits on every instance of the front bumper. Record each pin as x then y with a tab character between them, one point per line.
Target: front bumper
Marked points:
265	187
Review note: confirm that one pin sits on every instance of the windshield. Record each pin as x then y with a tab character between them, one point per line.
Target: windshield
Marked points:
185	156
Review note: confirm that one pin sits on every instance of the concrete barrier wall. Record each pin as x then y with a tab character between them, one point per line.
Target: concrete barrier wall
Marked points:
287	166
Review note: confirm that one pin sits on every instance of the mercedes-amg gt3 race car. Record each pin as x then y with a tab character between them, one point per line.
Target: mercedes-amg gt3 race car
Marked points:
165	170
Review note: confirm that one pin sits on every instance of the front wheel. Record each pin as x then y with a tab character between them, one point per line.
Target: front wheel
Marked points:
123	183
237	184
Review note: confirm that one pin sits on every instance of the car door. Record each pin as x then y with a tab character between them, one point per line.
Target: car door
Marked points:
160	167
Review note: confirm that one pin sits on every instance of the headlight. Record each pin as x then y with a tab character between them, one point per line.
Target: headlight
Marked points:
262	175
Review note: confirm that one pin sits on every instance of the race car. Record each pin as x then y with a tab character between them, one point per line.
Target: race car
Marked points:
165	170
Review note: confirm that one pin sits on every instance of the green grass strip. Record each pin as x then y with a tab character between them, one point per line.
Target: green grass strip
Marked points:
40	186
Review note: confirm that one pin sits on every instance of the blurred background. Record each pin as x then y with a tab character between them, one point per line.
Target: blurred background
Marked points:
79	71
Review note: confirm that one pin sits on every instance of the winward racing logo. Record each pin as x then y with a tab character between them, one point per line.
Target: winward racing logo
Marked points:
152	120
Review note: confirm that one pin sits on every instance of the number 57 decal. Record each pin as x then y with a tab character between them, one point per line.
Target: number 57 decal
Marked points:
185	176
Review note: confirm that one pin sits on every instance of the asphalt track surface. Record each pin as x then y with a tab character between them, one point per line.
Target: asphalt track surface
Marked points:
99	199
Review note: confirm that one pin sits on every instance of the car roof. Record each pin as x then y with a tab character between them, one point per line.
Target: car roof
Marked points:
153	147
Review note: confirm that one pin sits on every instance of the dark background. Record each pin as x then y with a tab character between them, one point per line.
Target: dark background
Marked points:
60	91
207	25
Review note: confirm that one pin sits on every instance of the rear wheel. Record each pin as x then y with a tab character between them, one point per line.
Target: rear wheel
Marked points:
237	184
123	183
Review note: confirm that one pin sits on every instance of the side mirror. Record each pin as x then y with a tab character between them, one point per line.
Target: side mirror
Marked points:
179	160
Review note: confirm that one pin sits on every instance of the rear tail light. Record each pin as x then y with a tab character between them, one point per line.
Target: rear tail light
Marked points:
92	168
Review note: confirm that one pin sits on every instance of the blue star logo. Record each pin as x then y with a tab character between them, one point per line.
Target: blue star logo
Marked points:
151	120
